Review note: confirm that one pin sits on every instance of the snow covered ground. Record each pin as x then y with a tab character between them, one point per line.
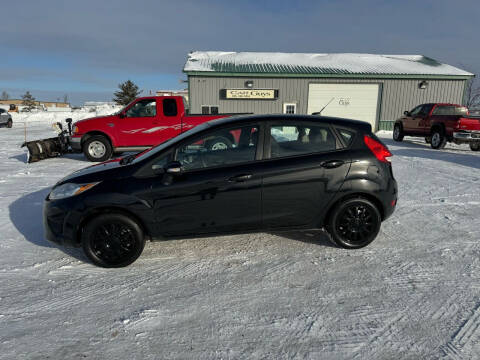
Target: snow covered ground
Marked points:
413	293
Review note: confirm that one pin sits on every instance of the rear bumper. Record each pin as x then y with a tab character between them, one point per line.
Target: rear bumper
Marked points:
76	143
467	136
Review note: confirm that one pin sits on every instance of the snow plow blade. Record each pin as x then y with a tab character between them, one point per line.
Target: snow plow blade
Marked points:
51	147
46	148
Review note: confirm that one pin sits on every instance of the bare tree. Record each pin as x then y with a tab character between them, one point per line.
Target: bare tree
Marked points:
5	96
472	94
65	99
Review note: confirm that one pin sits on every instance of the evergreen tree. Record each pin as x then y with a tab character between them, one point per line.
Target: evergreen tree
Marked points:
5	95
65	99
29	101
127	93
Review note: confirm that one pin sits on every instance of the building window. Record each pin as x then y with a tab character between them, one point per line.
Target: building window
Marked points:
209	109
289	108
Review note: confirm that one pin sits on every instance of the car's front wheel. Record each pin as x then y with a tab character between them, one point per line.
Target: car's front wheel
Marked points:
97	148
475	146
438	139
354	223
113	240
398	132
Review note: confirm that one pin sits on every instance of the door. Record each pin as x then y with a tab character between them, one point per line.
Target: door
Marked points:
135	127
307	166
351	101
218	190
168	122
3	116
409	122
421	121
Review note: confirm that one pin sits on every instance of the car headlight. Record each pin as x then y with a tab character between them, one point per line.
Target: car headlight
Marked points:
69	189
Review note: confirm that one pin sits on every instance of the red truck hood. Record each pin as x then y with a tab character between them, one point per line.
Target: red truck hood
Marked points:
96	118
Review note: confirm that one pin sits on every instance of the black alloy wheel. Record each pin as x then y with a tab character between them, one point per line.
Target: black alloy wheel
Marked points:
354	223
113	240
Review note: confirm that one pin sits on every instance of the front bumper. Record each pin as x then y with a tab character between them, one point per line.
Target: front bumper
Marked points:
76	143
467	136
61	222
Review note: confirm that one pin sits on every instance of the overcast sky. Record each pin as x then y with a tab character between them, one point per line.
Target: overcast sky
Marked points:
86	48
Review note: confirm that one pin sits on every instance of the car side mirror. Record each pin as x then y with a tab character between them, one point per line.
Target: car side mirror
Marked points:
406	113
158	169
174	168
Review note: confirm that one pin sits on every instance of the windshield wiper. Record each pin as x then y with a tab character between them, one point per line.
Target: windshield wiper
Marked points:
128	159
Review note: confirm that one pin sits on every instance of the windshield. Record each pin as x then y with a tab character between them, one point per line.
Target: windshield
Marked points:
160	147
119	111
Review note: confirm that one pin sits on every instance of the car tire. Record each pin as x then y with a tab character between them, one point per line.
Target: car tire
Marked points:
97	148
112	240
354	223
219	143
9	123
438	139
398	132
475	146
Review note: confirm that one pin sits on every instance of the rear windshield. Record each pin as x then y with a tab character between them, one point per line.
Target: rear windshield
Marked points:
450	110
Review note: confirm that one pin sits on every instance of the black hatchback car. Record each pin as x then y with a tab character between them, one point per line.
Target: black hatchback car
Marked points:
275	172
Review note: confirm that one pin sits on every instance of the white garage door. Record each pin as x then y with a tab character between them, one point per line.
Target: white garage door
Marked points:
351	101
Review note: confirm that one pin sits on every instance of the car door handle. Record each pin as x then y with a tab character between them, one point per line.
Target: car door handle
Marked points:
332	164
240	178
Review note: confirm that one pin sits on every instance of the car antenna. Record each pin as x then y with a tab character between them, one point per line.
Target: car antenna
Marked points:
320	112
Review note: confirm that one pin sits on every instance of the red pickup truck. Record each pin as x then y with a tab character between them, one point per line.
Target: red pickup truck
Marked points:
439	123
143	123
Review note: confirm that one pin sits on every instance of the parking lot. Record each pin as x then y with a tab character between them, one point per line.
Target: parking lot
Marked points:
413	293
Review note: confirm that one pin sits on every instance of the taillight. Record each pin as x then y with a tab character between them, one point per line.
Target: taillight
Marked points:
380	151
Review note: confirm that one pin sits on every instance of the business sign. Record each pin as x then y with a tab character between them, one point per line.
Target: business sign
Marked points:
249	94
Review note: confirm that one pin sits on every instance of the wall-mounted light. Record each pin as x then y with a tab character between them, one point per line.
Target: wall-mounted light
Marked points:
422	85
249	84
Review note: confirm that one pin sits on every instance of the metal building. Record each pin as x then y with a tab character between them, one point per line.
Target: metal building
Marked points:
368	87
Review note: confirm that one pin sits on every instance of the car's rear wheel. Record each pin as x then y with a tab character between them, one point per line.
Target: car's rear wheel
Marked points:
438	139
9	124
354	223
475	146
398	132
113	240
97	148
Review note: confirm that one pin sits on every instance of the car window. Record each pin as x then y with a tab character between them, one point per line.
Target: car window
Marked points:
426	109
300	139
416	110
169	107
450	110
219	148
347	136
143	108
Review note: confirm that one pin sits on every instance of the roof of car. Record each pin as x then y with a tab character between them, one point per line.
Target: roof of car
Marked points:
290	117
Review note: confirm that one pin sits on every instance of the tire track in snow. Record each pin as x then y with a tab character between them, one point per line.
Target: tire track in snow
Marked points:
467	337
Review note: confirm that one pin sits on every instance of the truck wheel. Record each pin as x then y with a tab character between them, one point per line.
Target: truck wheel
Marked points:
113	240
475	146
398	132
219	143
438	140
9	124
97	148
